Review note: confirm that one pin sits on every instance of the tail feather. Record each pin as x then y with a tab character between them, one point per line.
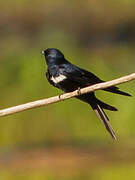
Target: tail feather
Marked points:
104	119
106	106
98	107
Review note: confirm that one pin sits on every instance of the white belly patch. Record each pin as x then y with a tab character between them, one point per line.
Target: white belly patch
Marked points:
58	79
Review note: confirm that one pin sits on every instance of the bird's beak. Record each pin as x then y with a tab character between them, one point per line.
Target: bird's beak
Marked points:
42	52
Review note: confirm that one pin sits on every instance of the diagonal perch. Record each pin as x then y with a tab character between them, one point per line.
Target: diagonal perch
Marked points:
51	100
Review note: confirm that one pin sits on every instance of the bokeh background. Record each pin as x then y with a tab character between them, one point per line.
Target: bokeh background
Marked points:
65	140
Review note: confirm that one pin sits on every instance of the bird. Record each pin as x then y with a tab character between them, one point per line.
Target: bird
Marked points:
68	77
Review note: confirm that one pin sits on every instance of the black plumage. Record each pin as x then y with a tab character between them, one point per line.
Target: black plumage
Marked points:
68	77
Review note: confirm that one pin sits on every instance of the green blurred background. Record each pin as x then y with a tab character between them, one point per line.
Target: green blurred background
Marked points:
65	140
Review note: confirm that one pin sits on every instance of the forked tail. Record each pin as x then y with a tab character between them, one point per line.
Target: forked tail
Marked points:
104	119
98	107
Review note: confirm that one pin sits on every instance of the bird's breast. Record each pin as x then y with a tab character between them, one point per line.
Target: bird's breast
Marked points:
58	78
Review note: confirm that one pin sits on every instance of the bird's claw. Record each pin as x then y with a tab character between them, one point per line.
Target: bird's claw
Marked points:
79	91
60	96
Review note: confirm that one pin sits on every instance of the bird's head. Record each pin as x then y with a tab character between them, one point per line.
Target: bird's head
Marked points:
53	56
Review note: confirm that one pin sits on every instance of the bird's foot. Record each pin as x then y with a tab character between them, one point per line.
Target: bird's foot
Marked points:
79	91
60	96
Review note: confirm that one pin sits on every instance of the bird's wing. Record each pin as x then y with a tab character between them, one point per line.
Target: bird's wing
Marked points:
79	75
86	78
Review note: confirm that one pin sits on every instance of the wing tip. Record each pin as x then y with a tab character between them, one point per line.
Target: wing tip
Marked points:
125	94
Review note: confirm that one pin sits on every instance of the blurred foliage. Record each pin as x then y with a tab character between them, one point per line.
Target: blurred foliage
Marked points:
98	36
